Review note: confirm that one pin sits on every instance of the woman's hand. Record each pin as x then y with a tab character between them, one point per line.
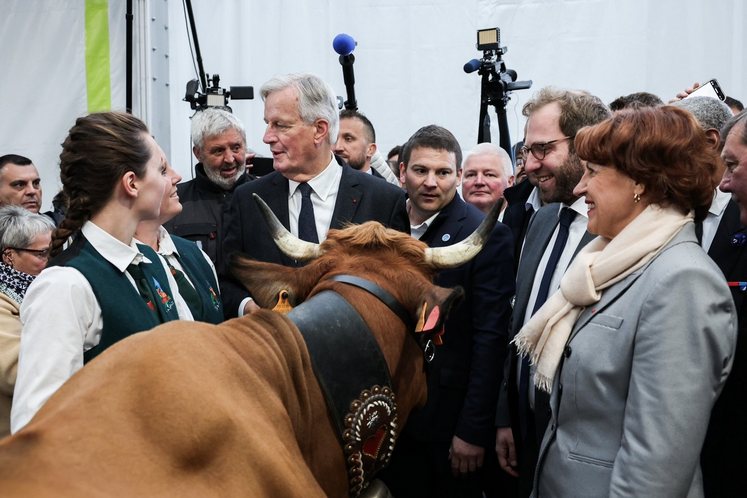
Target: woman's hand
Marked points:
504	446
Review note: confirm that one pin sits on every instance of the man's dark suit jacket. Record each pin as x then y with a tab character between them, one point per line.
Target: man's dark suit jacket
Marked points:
539	233
724	455
360	198
204	212
465	375
516	217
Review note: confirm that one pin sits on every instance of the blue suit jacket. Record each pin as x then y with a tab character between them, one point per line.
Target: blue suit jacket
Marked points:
361	198
465	375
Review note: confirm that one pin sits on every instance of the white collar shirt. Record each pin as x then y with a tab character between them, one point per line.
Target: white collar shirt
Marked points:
324	189
418	231
170	257
61	319
713	219
575	234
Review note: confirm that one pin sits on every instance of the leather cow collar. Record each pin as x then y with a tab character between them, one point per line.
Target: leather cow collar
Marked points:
353	376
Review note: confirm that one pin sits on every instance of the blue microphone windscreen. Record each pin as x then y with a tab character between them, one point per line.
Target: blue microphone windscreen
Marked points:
343	44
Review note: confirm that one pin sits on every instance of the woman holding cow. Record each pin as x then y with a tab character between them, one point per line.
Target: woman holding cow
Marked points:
103	287
637	343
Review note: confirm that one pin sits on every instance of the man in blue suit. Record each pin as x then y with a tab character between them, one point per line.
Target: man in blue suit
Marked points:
442	447
312	190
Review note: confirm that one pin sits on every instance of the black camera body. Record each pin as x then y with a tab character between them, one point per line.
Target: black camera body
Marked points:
215	96
493	65
496	85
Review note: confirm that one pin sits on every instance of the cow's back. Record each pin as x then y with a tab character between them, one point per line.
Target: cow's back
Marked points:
187	409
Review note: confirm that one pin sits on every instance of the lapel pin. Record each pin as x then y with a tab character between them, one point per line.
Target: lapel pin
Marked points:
446	237
742	285
738	240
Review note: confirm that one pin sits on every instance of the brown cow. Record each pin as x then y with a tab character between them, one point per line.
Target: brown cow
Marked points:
192	409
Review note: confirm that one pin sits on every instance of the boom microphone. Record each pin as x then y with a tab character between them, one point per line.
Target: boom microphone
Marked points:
344	44
472	66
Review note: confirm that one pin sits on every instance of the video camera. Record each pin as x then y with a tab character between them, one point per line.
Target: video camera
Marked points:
497	83
502	80
215	96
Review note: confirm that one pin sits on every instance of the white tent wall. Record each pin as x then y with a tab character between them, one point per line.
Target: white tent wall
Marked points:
410	54
44	88
408	65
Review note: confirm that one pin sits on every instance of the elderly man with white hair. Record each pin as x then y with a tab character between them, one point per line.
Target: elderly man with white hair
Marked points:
486	172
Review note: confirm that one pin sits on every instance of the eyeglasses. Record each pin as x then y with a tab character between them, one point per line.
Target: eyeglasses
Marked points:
539	149
39	253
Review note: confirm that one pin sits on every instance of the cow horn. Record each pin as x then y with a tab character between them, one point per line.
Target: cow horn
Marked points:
292	246
442	258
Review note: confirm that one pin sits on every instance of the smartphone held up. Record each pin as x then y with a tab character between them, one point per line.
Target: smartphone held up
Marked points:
709	89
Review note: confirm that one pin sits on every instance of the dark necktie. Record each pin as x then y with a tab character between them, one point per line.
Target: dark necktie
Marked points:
145	290
566	218
306	221
187	292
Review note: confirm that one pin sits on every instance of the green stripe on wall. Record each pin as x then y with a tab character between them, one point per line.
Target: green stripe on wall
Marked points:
98	77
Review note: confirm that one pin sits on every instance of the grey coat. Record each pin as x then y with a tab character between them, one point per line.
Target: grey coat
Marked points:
640	373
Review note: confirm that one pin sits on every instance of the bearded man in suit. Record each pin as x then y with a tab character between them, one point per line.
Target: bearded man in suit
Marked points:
554	236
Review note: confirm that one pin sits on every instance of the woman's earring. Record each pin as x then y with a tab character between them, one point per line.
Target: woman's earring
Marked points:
636	198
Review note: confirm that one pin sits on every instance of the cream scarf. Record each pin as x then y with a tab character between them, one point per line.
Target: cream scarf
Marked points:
602	263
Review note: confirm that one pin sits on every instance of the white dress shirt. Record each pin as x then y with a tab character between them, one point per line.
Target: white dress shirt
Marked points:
575	234
712	221
419	230
61	320
324	189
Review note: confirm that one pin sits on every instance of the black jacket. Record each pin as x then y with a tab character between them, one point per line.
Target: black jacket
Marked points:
205	206
517	216
465	376
360	198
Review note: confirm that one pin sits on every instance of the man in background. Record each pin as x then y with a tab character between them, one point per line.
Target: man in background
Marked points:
486	173
20	184
356	141
722	236
220	147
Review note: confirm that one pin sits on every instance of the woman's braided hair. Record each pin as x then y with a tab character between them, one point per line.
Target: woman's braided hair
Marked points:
98	151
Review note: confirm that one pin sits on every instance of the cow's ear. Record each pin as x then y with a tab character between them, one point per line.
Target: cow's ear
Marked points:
265	281
434	310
